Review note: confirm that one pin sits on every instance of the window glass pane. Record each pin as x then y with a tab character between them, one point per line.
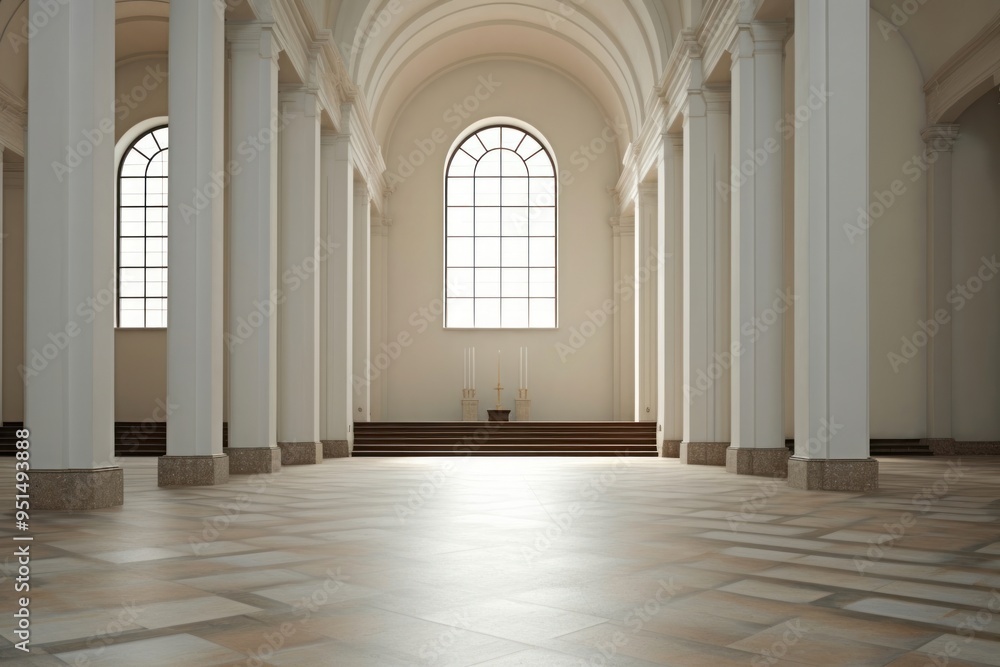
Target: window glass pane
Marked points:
543	312
543	283
515	251
510	137
512	164
460	221
490	137
460	192
460	282
161	137
147	146
131	228
474	147
543	252
462	165
487	282
158	165
488	221
489	164
528	147
515	282
460	252
460	313
514	221
487	251
515	313
487	191
133	186
515	192
539	165
488	313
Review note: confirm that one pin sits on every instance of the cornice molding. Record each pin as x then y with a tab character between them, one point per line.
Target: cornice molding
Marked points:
968	74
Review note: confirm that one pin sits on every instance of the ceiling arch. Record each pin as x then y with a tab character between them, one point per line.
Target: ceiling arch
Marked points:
616	49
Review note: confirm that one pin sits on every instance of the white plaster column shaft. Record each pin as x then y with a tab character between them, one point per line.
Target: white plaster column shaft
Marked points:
831	267
195	246
706	276
253	284
381	227
670	295
3	237
646	264
300	255
940	140
623	382
69	264
759	301
337	215
363	370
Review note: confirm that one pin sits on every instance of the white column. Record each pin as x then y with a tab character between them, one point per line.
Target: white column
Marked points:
299	259
831	269
362	303
253	278
623	247
646	331
759	300
707	356
940	140
381	226
337	215
670	295
194	331
69	265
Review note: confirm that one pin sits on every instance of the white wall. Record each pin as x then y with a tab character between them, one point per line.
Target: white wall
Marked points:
425	382
976	234
897	238
13	295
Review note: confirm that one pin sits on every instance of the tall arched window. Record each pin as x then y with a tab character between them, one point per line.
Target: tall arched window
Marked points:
142	232
500	232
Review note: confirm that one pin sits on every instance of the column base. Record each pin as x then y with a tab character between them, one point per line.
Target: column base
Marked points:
948	447
336	449
770	462
77	489
703	453
301	453
671	449
192	470
833	474
254	460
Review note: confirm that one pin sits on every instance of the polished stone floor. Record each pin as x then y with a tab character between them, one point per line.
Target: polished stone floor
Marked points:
500	562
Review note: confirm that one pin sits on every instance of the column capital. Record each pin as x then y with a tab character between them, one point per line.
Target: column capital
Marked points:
258	36
299	99
623	225
647	189
361	190
940	138
674	139
769	36
381	225
717	99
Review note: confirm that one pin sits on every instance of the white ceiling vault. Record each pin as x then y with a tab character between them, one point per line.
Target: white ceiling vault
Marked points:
615	49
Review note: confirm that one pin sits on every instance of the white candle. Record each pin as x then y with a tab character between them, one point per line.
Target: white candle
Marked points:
473	386
520	368
525	366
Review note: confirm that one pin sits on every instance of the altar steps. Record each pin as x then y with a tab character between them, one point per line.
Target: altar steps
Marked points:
505	439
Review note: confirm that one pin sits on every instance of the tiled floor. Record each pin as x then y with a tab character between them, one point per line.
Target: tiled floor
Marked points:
501	562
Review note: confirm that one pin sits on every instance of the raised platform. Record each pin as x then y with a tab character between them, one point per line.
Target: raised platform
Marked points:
504	439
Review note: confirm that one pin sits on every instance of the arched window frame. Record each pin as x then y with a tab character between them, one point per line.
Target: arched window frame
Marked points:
150	232
502	294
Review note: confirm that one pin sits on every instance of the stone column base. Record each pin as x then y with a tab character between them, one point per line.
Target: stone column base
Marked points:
254	460
943	447
771	462
192	470
301	453
336	449
704	453
77	489
833	474
671	449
